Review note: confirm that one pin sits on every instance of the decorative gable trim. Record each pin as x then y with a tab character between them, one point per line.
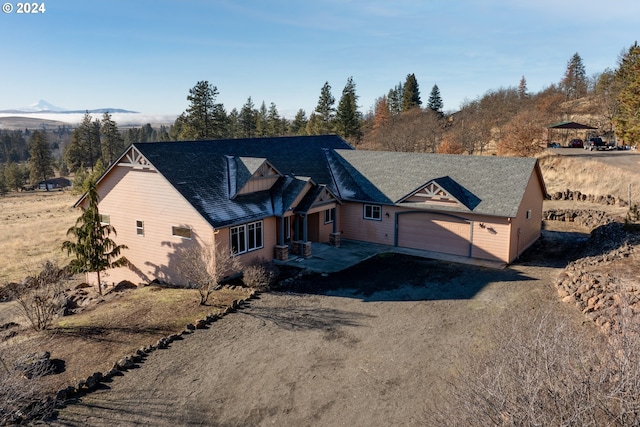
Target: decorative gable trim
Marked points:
134	159
432	193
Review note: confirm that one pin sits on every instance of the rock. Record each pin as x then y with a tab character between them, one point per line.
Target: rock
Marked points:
201	324
124	364
190	327
35	364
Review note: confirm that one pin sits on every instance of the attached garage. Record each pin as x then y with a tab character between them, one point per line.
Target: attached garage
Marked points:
434	232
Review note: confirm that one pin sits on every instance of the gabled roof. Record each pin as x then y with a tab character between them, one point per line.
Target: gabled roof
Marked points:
199	171
210	174
492	185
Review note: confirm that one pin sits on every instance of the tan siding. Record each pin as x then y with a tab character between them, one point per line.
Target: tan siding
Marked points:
434	232
490	238
269	242
352	224
258	184
529	228
145	195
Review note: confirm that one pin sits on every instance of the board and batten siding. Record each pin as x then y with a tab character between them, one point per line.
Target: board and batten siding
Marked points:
128	195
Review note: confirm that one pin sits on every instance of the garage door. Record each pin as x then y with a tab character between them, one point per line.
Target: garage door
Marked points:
432	232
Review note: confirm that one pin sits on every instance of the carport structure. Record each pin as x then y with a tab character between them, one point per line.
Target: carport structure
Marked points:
564	129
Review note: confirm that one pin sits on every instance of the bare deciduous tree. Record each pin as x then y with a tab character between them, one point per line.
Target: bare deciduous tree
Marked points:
205	267
42	297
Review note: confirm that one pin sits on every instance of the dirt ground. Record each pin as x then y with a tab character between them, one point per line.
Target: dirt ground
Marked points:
366	346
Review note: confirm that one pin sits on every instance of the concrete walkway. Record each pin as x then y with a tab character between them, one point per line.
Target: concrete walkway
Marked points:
328	259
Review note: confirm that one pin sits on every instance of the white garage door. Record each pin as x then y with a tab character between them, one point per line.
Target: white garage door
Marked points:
433	232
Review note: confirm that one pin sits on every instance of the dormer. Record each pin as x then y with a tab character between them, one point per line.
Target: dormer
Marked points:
250	175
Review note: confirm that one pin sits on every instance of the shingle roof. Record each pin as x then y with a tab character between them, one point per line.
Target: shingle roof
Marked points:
199	170
496	185
209	173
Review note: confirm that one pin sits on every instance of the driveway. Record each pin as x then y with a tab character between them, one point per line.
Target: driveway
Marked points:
365	346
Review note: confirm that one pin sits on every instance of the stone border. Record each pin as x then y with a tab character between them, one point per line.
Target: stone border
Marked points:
91	383
590	198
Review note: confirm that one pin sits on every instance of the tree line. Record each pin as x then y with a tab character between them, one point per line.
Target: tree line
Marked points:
506	121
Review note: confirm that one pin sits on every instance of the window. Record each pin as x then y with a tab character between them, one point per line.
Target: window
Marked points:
139	228
105	219
183	232
372	212
528	216
329	215
246	237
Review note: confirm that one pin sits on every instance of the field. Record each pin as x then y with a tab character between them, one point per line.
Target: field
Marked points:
33	226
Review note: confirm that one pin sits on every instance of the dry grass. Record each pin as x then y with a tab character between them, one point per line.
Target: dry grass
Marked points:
588	176
95	339
33	226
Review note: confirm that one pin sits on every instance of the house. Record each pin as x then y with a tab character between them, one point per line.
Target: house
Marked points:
54	184
268	198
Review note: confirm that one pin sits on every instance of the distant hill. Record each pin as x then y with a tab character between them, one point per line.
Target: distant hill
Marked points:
21	123
43	106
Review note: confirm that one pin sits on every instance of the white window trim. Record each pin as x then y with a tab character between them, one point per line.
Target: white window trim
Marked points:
246	231
372	217
175	227
139	228
105	219
528	215
331	213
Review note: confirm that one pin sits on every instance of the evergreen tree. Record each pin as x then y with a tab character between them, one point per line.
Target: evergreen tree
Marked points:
261	121
394	99
4	189
348	118
274	123
40	160
627	117
299	123
111	142
233	124
248	120
325	112
435	103
411	93
84	149
14	175
204	118
522	89
93	249
575	78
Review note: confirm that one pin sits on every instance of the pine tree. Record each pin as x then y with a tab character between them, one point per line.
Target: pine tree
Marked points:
40	160
348	118
394	98
261	121
93	249
627	117
111	142
299	123
411	93
325	112
575	78
84	149
247	120
204	118
522	89
435	103
274	122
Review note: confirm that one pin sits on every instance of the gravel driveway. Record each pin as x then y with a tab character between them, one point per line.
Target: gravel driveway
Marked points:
367	346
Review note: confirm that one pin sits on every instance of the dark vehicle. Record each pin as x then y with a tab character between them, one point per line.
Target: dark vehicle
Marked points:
576	143
595	143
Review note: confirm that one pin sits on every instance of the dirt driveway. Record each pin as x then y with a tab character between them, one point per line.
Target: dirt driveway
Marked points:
367	346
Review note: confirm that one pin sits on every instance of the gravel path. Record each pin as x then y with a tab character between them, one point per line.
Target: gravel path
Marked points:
341	356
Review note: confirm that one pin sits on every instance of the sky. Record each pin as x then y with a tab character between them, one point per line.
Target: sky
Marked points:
145	55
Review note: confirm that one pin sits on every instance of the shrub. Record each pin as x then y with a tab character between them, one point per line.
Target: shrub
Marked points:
260	275
41	298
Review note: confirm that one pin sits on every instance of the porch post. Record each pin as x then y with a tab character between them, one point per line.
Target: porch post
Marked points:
304	228
281	233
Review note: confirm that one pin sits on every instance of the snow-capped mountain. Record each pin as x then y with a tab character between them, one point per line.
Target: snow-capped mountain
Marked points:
42	106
